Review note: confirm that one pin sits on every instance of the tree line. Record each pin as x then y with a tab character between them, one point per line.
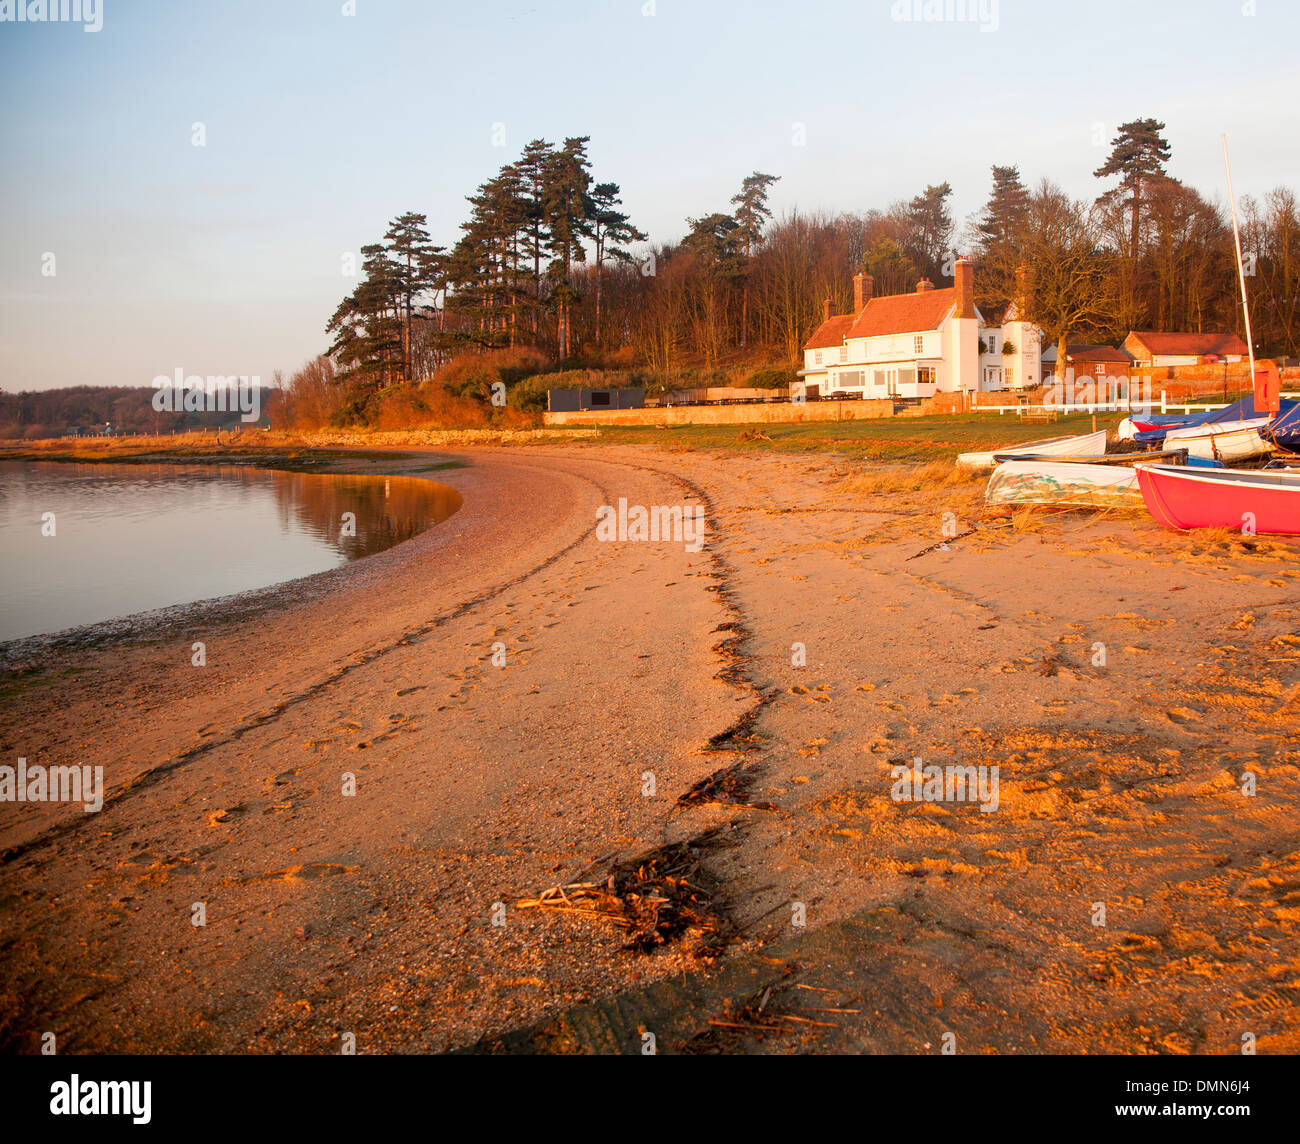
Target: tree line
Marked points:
91	410
547	259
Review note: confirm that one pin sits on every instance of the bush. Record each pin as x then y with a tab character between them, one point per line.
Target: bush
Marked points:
771	377
531	392
474	374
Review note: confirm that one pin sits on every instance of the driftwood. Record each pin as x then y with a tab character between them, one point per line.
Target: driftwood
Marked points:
657	897
943	543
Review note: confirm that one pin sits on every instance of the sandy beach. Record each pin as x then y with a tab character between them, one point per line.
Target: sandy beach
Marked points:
1123	679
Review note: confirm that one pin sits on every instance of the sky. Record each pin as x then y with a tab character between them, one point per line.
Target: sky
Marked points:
321	120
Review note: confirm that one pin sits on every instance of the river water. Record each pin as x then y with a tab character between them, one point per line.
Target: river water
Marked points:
129	538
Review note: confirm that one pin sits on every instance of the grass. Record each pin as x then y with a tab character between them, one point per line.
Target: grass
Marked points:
887	439
901	439
932	476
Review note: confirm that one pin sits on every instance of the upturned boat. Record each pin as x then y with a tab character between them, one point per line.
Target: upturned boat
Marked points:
1082	445
1067	483
1252	501
1226	441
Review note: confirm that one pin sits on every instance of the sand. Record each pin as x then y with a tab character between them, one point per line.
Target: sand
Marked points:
819	623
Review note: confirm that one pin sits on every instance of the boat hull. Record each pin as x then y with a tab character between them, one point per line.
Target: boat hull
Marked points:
1238	441
1258	502
1064	483
1084	445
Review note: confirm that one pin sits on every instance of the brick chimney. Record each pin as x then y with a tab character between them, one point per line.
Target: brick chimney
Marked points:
1021	299
826	309
924	286
863	285
963	278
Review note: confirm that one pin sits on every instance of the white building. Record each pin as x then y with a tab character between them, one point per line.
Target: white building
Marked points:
916	345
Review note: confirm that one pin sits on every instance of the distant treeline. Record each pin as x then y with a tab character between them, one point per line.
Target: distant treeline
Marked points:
94	409
549	274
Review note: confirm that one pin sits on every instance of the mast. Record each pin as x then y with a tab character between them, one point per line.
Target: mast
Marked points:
1241	271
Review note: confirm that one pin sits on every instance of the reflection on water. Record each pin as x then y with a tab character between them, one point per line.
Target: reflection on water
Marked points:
127	538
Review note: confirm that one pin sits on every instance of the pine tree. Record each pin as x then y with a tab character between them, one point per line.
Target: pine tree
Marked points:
1003	218
929	228
712	242
609	226
567	208
485	263
999	234
418	267
751	213
531	168
1138	154
367	325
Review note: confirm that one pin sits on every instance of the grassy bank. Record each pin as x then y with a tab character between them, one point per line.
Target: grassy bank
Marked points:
889	439
910	439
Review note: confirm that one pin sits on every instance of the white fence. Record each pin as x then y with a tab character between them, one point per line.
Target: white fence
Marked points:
1125	405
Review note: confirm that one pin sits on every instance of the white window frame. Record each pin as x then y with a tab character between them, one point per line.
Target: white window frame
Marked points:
918	344
817	357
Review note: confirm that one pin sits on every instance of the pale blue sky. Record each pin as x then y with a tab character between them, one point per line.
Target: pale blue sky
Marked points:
321	126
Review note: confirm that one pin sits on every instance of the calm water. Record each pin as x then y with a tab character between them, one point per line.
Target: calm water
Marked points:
128	538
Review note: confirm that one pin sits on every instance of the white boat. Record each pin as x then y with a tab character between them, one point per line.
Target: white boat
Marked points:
1072	483
1084	445
1221	441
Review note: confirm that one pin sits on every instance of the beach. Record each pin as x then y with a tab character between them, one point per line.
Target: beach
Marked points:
378	764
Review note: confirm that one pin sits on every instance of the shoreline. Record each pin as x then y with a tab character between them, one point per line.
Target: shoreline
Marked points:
25	653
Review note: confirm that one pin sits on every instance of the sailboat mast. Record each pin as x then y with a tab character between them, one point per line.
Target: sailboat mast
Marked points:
1241	270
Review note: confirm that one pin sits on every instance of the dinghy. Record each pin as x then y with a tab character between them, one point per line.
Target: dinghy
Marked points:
1067	483
1085	445
1222	440
1266	501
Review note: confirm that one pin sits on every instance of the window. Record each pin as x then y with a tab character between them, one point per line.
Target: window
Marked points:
918	344
925	375
1099	369
844	353
599	398
993	343
817	358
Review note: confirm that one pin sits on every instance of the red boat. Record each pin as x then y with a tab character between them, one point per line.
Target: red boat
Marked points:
1254	501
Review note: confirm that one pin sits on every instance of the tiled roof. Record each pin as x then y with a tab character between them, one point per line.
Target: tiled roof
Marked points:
903	313
830	333
1188	344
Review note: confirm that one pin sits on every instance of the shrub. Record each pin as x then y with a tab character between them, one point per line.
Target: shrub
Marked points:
771	377
475	373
